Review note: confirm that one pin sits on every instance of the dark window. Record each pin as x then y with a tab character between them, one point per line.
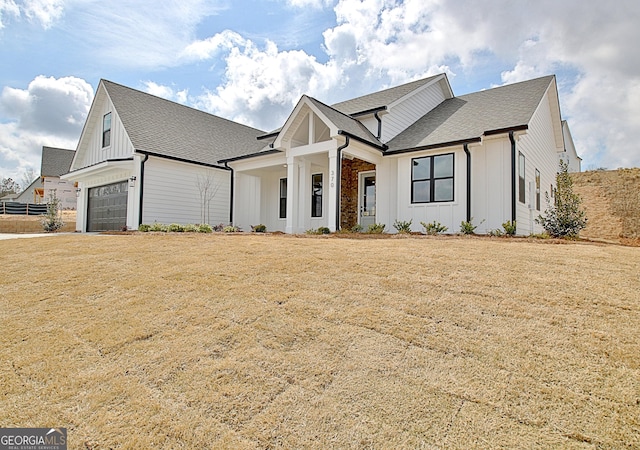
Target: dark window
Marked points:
521	176
432	179
316	195
537	189
283	198
106	130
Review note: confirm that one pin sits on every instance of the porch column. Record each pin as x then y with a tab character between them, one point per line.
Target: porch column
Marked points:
334	182
292	195
304	199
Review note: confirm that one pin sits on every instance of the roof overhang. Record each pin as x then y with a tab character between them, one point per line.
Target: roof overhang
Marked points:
100	169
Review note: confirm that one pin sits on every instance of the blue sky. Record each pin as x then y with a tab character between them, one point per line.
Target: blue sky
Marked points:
250	61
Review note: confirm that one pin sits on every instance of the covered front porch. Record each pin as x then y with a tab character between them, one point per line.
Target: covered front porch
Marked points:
319	185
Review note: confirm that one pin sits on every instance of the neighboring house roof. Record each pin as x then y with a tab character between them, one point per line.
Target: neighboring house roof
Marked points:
165	128
380	98
468	117
55	161
347	124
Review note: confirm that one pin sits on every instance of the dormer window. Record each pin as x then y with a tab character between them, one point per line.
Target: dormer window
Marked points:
106	130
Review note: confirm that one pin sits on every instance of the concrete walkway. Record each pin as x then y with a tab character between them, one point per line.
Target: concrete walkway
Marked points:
4	236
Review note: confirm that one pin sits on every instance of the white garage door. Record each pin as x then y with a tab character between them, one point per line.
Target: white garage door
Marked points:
107	207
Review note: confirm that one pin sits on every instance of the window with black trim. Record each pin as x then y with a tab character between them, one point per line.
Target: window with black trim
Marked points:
521	176
283	198
432	179
537	189
106	130
316	195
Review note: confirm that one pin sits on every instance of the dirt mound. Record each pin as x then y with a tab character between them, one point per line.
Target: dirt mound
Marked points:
611	199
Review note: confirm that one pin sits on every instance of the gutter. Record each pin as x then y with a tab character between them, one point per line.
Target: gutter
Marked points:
465	146
231	190
379	119
381	147
513	177
339	179
141	187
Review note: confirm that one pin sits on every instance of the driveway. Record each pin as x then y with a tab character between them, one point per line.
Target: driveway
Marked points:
4	236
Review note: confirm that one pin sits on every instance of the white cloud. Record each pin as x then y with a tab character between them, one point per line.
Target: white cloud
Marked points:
8	7
44	11
49	112
315	4
166	92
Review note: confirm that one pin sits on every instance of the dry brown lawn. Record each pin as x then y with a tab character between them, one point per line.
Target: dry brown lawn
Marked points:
259	341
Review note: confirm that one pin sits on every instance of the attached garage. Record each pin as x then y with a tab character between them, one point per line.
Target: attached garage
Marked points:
107	207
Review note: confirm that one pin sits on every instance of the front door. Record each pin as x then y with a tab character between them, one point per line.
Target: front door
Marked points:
367	199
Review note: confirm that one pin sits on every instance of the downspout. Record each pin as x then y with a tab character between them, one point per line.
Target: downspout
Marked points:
339	179
465	146
513	177
141	188
379	119
226	165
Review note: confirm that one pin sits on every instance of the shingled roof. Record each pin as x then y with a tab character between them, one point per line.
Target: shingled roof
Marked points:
380	98
347	124
55	161
162	127
471	116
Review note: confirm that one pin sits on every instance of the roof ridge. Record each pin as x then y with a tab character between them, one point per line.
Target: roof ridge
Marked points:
192	108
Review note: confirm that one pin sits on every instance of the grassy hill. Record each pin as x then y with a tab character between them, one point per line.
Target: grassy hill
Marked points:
611	199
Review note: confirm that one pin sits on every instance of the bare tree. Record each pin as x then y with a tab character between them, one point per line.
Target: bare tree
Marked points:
208	186
27	178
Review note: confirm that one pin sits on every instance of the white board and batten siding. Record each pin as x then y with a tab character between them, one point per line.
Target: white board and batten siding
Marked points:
449	214
541	152
409	110
172	195
91	150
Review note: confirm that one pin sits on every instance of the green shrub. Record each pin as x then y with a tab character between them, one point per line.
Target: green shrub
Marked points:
497	232
231	229
52	221
175	228
260	228
190	228
219	227
158	227
144	227
433	228
205	228
376	228
357	228
403	226
564	216
468	227
321	230
509	228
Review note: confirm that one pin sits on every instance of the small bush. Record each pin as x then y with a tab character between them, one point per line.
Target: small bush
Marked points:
468	227
497	232
205	228
357	228
144	227
509	228
433	228
376	228
219	227
158	227
52	221
175	228
403	226
231	229
260	228
190	228
321	230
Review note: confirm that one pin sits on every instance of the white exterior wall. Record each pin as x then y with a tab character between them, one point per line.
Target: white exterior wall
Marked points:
449	214
540	149
491	183
405	113
65	191
91	151
247	200
171	193
569	156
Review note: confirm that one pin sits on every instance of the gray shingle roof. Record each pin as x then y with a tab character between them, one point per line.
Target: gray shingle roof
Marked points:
470	116
55	161
159	126
380	98
346	123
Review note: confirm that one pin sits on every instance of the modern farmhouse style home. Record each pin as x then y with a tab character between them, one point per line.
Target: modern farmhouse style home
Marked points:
413	152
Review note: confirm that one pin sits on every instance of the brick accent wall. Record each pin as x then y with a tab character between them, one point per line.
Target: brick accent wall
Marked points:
349	190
